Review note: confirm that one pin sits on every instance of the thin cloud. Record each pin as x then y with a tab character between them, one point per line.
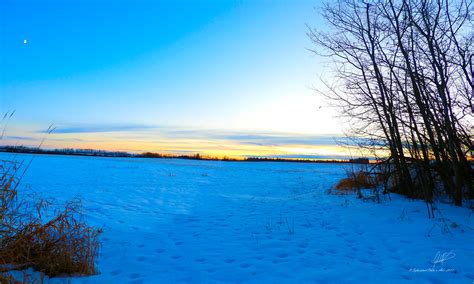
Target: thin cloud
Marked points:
22	138
255	138
159	133
100	128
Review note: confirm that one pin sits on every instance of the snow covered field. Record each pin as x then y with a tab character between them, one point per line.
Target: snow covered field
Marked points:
169	221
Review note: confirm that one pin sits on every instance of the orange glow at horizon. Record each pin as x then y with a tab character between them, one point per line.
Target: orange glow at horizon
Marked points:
208	147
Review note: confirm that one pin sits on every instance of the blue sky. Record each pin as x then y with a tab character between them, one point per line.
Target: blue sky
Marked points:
110	72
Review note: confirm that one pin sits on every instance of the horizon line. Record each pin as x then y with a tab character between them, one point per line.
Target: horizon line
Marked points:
163	154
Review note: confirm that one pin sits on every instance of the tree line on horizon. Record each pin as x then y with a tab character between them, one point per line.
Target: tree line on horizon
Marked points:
402	78
196	156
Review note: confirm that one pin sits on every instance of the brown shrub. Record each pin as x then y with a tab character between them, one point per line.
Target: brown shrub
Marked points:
61	245
356	181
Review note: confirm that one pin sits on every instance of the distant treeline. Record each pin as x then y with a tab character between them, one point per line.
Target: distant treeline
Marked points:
65	151
102	153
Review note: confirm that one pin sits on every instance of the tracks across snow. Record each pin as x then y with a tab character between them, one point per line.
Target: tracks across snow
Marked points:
204	221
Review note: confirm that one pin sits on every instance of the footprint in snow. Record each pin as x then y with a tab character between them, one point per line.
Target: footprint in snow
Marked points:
159	250
350	256
303	245
331	251
141	258
368	261
134	275
371	252
355	249
116	272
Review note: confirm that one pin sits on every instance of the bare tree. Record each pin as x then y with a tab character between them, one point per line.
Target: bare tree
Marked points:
402	77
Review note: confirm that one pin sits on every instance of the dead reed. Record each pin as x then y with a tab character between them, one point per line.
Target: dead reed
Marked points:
30	238
356	181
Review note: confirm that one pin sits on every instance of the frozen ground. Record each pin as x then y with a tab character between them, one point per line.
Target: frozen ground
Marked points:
168	221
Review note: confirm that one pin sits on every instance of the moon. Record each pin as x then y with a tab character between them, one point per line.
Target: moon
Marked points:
25	41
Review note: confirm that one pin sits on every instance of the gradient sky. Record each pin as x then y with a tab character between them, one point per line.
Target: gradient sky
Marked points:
216	77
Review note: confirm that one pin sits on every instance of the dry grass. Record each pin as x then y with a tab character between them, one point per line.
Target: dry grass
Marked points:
6	279
59	245
356	181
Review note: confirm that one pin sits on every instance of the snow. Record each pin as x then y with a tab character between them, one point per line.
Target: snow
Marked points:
173	221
